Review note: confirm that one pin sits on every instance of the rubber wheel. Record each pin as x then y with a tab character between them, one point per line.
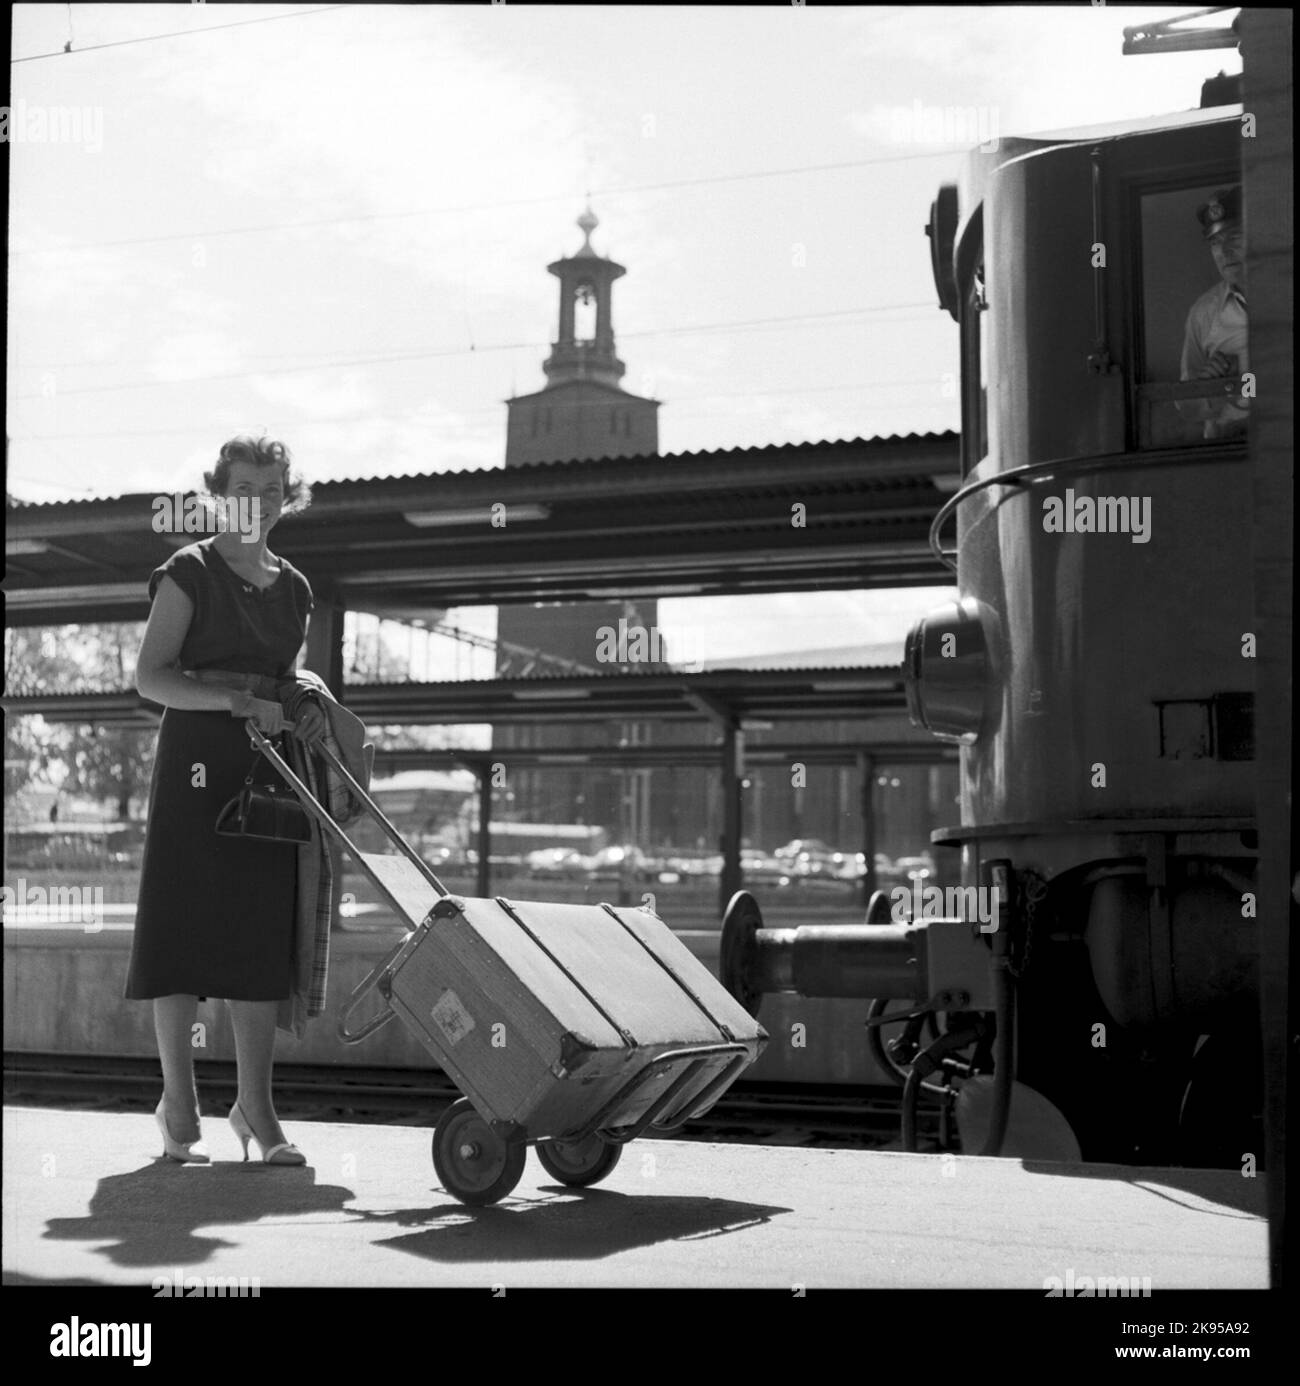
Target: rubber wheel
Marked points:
473	1163
579	1163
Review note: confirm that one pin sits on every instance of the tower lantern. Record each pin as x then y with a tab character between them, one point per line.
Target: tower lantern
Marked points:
584	345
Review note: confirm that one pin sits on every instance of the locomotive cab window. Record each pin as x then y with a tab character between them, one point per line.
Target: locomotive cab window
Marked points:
1193	336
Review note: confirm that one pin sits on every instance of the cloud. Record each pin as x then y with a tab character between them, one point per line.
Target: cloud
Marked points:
185	355
399	111
426	440
323	395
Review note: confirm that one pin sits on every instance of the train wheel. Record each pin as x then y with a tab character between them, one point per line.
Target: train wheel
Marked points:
473	1163
579	1163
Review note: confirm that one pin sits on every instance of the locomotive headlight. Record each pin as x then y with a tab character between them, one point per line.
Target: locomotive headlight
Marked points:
947	672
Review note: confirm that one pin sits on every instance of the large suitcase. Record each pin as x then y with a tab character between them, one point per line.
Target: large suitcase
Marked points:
560	1020
574	1026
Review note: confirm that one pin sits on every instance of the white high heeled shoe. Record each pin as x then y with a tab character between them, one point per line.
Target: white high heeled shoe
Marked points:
282	1154
195	1153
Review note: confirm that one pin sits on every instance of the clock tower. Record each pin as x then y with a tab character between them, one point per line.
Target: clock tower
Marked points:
582	413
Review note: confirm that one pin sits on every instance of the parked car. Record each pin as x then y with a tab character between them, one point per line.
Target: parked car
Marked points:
810	856
615	863
852	868
919	868
760	868
553	862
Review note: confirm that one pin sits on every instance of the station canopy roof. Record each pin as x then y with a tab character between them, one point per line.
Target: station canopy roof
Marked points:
803	517
800	517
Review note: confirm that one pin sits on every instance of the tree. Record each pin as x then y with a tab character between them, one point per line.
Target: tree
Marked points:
101	762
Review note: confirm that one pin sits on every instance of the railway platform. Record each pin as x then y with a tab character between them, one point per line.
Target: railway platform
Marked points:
89	1201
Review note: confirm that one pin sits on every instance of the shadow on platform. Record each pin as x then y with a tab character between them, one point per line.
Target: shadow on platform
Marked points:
1189	1188
47	1281
568	1224
151	1215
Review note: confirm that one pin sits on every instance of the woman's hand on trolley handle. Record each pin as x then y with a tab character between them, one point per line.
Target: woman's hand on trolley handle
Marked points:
271	719
309	725
266	713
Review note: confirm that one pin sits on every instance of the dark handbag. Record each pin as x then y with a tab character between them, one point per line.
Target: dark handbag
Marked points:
267	812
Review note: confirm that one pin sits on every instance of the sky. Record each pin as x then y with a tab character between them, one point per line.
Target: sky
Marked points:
333	224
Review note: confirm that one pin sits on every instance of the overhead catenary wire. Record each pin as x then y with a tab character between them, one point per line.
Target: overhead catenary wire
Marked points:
313	223
675	184
69	51
933	383
323	361
739	325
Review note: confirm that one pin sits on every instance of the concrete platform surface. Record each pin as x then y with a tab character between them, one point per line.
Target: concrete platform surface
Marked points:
89	1200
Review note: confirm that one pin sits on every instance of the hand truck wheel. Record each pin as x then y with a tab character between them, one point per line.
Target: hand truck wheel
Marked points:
473	1163
579	1163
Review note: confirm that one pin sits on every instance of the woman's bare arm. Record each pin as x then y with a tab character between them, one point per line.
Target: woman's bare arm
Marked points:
158	676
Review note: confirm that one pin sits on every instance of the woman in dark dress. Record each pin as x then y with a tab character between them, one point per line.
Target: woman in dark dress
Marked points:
216	914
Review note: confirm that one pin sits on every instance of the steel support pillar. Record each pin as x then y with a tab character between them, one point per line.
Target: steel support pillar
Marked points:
867	801
483	879
733	776
325	639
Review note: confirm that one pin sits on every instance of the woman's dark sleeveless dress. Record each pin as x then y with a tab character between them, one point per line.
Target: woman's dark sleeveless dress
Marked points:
216	914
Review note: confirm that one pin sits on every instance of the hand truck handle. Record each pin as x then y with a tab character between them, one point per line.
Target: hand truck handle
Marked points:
323	750
360	992
381	818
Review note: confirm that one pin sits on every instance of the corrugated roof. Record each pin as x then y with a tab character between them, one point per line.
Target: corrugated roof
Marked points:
577	464
874	659
884	656
569	466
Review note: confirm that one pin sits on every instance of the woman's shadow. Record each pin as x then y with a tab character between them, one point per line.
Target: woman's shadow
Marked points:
151	1216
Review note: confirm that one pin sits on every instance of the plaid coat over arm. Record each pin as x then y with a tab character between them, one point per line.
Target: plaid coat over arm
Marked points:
345	736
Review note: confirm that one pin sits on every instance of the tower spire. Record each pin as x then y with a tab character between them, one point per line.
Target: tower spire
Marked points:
587	223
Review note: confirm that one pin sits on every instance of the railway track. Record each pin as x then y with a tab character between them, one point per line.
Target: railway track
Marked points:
762	1113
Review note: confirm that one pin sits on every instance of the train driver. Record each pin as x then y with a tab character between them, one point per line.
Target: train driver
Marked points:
1215	339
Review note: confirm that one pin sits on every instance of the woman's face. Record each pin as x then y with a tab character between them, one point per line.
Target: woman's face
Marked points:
257	491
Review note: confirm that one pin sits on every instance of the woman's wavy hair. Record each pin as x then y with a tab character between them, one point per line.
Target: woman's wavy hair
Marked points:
262	452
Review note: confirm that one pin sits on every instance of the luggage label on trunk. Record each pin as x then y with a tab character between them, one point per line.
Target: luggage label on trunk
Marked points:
451	1017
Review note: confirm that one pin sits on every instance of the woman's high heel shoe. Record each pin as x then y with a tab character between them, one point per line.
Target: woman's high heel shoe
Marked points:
195	1153
282	1154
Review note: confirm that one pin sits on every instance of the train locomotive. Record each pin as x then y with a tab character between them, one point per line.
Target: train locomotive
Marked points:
1092	990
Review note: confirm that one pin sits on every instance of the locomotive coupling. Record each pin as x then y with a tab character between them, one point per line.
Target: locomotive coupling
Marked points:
944	964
